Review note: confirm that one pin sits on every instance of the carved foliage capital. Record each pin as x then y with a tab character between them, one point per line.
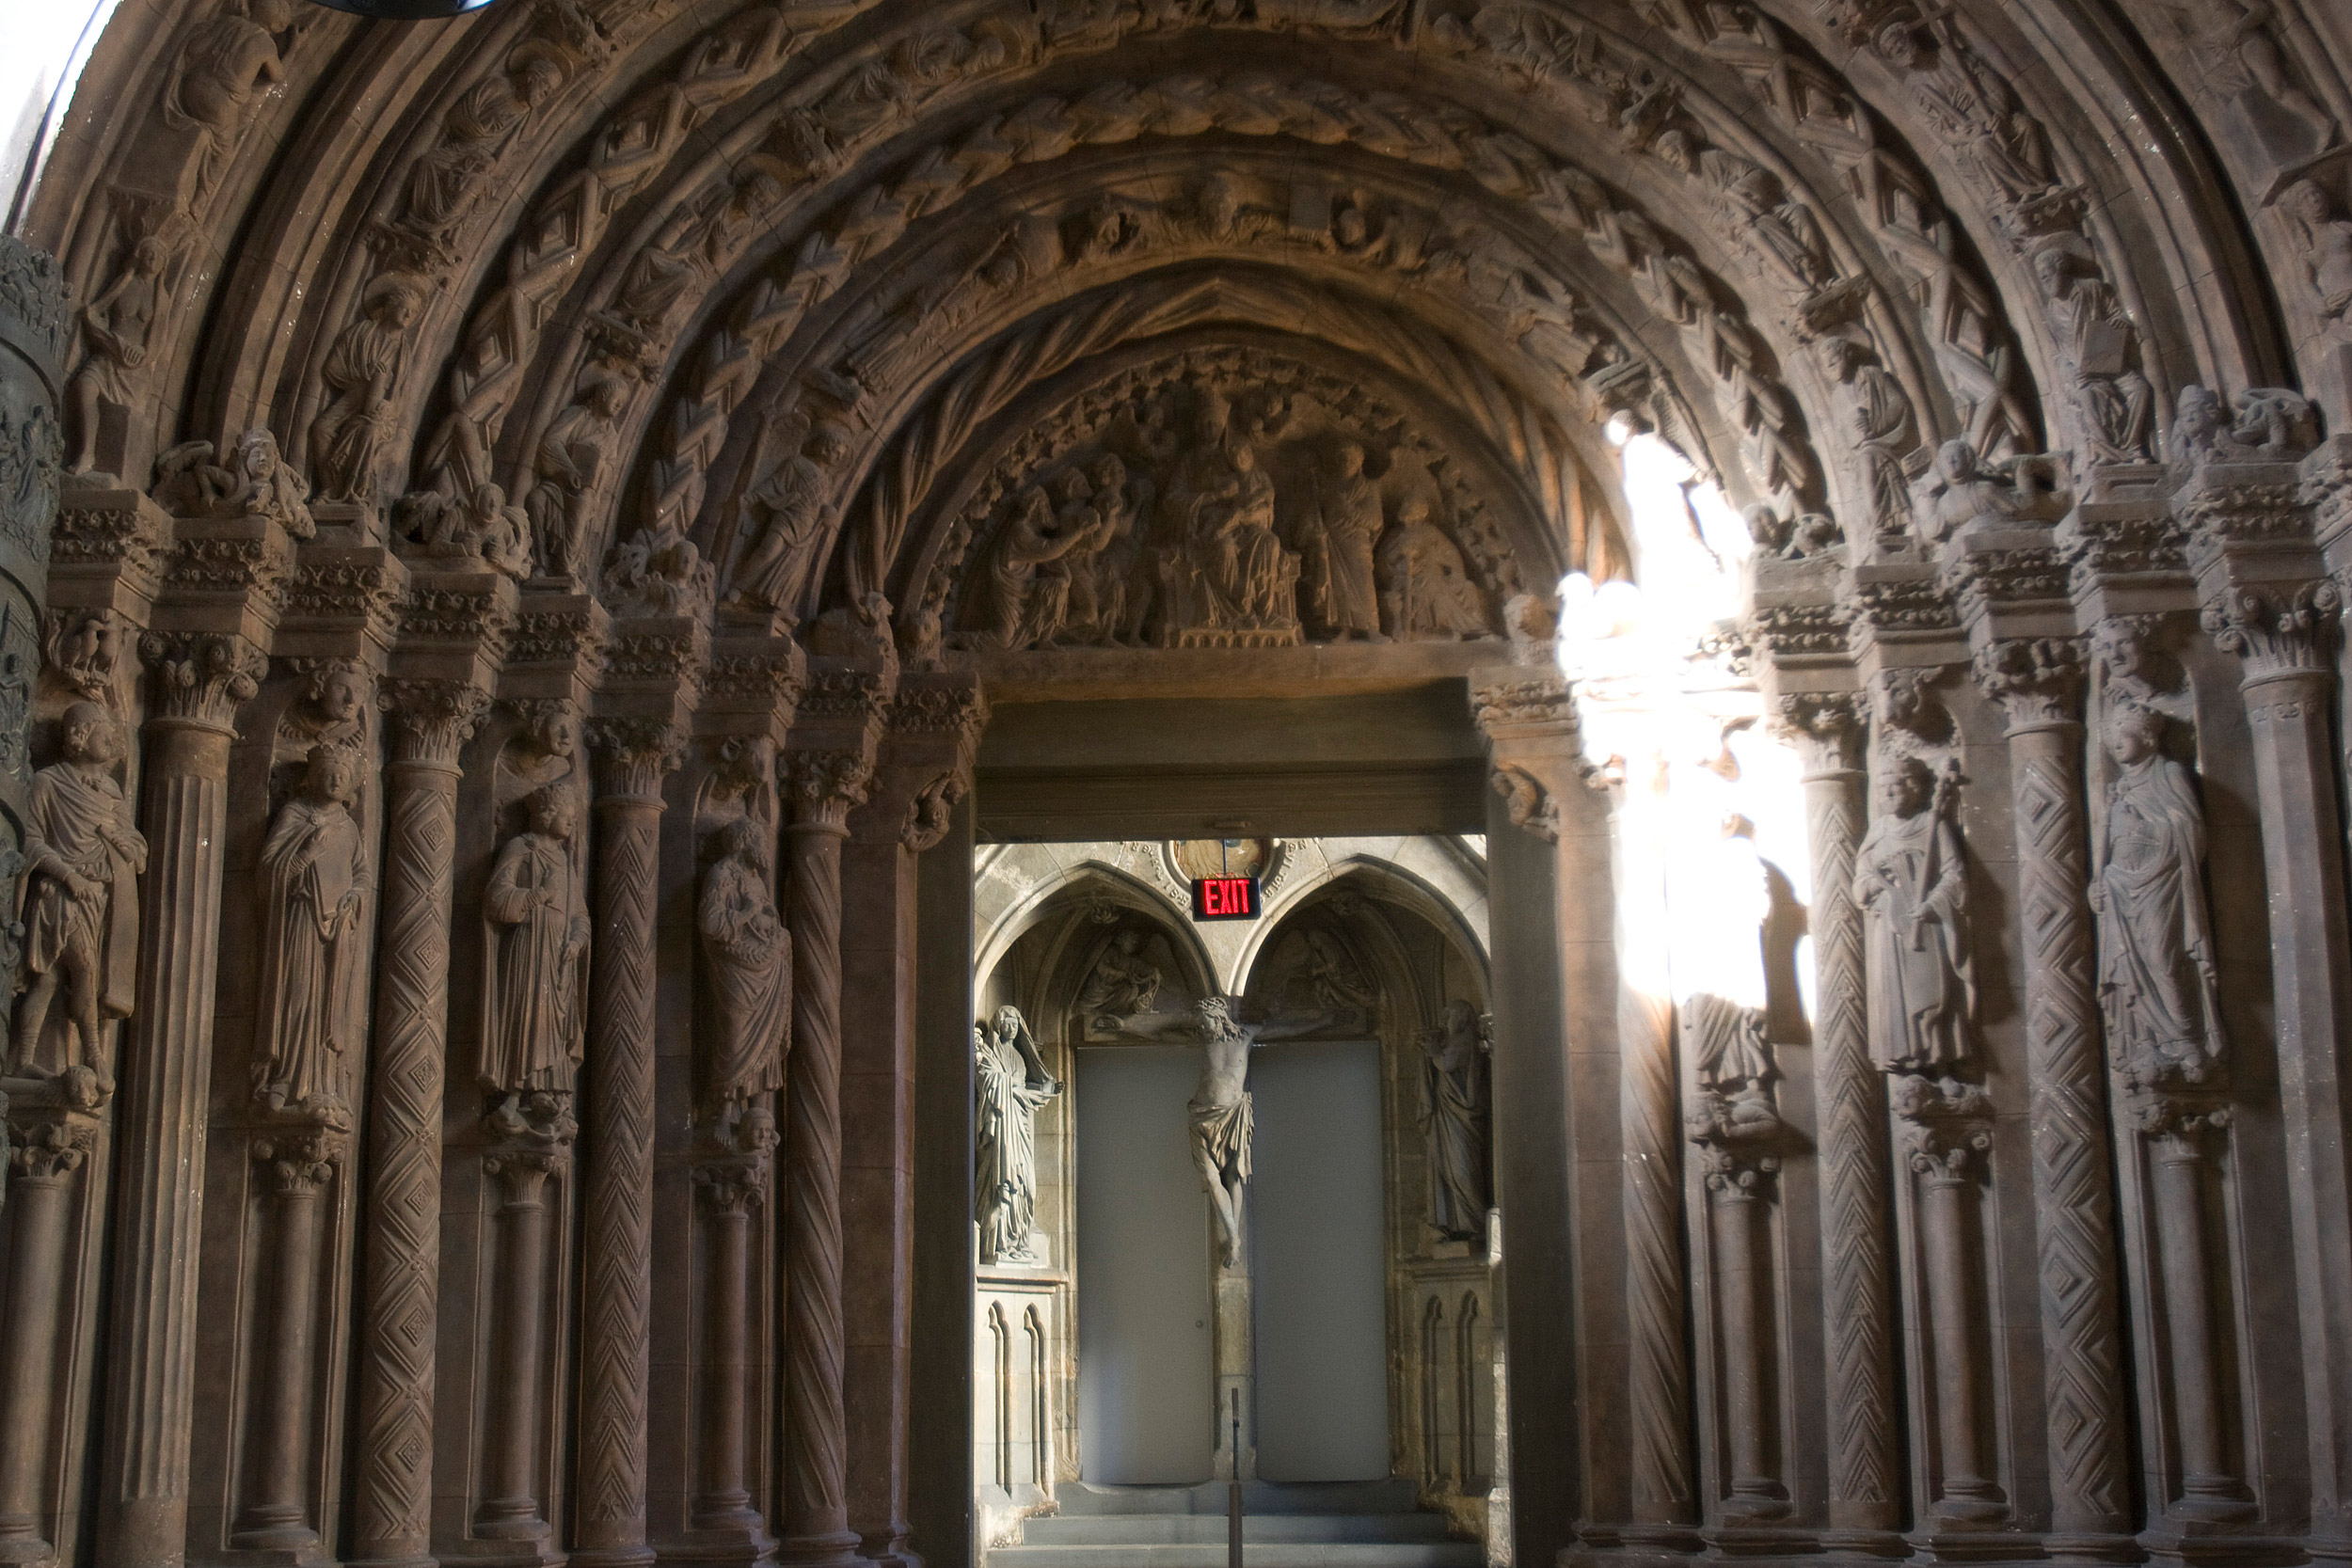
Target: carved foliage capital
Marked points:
1828	729
824	784
431	719
47	1141
2037	680
300	1162
2279	630
1947	1127
634	755
202	677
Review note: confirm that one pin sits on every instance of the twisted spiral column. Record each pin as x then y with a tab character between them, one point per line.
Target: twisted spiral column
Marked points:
825	784
1864	1460
2038	682
392	1494
617	1185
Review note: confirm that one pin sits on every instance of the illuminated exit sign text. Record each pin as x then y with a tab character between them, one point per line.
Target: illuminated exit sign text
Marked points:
1225	898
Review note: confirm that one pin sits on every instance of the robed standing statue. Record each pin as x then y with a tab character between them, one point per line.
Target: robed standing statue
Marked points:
314	960
533	1002
1012	1085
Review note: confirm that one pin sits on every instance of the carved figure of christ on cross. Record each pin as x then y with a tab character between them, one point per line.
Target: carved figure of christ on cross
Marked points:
1218	1112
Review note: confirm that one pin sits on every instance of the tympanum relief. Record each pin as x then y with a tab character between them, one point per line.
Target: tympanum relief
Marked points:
1216	501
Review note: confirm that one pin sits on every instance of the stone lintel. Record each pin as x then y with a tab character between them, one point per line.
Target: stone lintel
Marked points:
1901	613
1798	618
226	576
106	552
454	625
752	686
345	603
557	651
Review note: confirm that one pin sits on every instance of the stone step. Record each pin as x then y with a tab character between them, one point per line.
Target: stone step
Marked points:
1194	1528
1258	1497
1299	1554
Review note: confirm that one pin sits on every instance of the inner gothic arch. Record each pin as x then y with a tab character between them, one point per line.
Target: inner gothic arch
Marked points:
544	554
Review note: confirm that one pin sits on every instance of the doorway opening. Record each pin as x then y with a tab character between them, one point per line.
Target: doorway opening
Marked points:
1234	1208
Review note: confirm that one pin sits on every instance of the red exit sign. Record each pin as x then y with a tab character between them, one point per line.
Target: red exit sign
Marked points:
1225	898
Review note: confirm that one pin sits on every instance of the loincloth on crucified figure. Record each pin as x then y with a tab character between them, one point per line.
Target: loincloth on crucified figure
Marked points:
1222	1131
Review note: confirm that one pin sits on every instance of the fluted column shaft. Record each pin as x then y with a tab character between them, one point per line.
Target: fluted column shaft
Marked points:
161	1118
2083	1377
617	1183
1858	1293
39	1193
392	1498
816	1505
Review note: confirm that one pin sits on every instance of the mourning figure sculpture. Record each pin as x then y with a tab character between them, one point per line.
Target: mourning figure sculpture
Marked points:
1012	1084
1912	884
1455	1113
749	956
314	960
534	987
2157	974
83	858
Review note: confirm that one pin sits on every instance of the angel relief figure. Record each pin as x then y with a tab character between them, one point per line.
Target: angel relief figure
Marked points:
534	1003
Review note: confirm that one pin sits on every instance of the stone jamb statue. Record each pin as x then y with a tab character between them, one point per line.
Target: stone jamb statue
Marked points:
314	965
1911	881
83	858
2158	979
749	954
533	1005
1012	1085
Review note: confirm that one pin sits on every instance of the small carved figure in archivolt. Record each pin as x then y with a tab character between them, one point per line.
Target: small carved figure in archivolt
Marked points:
772	575
1013	1084
576	456
2158	979
533	997
1912	882
361	373
1125	982
314	960
2327	244
83	858
749	956
267	487
114	333
1457	1110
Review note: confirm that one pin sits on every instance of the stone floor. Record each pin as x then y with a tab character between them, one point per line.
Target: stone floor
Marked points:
1366	1525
